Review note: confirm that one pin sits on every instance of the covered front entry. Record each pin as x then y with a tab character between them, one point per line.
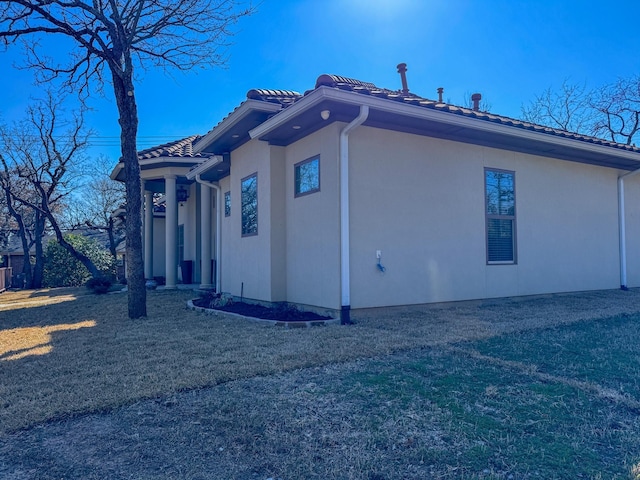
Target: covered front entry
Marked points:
178	233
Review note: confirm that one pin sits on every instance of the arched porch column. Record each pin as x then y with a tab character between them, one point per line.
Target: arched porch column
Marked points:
171	232
148	235
205	237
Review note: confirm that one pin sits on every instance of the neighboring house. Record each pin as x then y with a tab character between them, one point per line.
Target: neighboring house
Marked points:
12	254
354	196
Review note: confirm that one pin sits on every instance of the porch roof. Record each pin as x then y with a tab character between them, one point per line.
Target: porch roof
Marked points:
177	153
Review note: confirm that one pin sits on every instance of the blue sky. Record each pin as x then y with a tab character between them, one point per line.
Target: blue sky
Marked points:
508	50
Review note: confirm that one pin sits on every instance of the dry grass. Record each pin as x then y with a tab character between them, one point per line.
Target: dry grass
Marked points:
464	400
118	361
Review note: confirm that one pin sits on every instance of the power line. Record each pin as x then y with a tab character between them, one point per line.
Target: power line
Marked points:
110	141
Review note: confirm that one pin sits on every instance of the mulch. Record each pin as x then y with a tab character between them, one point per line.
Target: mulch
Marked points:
282	313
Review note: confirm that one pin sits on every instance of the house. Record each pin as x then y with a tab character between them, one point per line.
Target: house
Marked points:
12	254
355	196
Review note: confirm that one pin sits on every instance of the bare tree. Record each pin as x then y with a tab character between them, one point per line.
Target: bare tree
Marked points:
611	111
117	37
44	155
568	109
97	203
25	222
618	110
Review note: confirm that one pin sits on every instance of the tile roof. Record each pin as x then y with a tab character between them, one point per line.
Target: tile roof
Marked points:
184	147
178	148
283	97
365	88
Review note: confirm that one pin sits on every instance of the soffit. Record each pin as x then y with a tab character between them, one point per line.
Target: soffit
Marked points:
454	124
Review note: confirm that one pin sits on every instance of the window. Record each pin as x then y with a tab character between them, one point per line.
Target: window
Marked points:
307	176
500	216
227	204
180	244
249	201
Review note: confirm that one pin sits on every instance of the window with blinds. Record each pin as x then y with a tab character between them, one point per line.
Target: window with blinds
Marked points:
500	210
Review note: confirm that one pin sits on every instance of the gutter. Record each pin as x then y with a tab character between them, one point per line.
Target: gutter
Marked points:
622	229
345	282
323	93
195	175
216	187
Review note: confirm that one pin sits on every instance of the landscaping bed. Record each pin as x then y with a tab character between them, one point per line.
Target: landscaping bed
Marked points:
285	313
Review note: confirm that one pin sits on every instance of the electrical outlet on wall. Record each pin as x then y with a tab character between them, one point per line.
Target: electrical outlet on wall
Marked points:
378	254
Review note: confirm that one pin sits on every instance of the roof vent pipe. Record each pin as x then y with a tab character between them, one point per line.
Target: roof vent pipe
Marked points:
475	98
402	70
440	92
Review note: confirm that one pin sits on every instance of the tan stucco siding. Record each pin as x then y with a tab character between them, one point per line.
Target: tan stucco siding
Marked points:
313	224
278	223
421	202
567	226
226	237
247	260
188	215
159	247
632	210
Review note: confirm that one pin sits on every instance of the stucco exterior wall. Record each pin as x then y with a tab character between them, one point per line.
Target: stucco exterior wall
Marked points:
420	201
158	247
226	236
278	222
247	260
189	216
313	224
632	215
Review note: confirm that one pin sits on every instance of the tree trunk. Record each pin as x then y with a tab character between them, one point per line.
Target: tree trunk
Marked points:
125	99
26	270
26	266
112	239
38	268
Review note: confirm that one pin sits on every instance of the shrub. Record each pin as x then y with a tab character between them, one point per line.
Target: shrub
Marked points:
98	285
61	269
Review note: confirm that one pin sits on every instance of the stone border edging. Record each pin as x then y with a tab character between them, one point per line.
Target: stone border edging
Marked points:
275	323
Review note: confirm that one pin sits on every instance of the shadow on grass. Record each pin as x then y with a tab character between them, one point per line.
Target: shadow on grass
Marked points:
19	343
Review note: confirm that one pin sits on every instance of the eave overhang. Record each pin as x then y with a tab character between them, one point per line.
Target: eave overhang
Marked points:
232	132
150	164
212	170
303	118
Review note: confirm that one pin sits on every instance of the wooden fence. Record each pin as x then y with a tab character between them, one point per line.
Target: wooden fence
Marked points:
5	278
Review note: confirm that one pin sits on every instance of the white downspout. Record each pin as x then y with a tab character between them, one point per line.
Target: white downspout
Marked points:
622	229
345	314
218	226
